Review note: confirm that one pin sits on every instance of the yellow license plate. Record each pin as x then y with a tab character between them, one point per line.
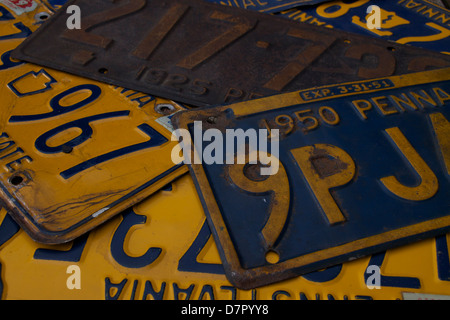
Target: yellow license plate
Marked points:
163	249
74	152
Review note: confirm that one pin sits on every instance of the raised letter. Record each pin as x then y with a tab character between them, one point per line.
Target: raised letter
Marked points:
325	167
429	183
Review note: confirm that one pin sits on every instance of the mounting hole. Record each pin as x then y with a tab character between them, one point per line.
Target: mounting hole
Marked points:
16	179
272	257
41	16
164	108
391	49
211	120
103	70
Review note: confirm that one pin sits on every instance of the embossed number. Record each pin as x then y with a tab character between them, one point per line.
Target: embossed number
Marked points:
241	26
247	179
303	60
100	18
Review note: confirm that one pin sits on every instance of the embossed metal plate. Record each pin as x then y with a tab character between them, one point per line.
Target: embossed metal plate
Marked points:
202	53
162	249
419	23
267	5
363	167
74	152
182	260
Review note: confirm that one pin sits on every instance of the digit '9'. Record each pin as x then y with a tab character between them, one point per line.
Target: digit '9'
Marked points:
248	178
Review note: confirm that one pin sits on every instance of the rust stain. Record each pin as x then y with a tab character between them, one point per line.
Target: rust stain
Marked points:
325	165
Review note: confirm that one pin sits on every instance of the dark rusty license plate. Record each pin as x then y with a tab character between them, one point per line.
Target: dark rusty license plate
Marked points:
446	3
268	5
358	168
202	53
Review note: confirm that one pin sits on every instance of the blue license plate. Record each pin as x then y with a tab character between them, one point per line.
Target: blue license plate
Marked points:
363	167
418	23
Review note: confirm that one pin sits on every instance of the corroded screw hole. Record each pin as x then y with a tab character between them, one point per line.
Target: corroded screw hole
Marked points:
211	120
16	180
41	16
103	70
164	108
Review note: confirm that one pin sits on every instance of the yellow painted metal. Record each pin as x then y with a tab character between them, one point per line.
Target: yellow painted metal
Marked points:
174	222
75	152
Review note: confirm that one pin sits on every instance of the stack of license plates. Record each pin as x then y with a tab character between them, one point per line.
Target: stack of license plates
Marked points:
224	150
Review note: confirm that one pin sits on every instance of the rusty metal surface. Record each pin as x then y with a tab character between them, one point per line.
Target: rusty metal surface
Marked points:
201	53
268	5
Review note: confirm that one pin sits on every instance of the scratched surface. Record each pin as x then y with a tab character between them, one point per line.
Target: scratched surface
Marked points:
74	152
363	167
224	54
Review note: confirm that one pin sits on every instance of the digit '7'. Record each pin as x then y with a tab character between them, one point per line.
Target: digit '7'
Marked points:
146	47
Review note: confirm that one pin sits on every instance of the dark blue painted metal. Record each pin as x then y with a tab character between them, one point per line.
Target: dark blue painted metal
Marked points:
367	205
427	22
